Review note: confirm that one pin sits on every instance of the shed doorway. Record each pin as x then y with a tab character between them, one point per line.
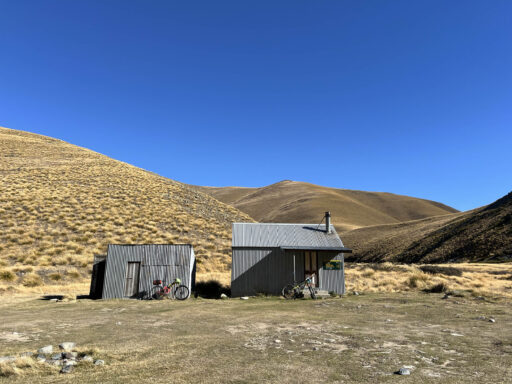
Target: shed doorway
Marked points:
311	267
131	287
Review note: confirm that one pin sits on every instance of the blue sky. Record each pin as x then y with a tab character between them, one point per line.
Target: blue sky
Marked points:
409	97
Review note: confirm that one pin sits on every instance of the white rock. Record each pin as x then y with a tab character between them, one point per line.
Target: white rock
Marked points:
69	362
244	298
87	358
223	296
66	369
67	346
45	350
403	371
277	341
492	320
99	362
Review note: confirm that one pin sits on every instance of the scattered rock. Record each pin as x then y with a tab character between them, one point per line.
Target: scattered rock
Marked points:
41	358
244	298
57	356
27	354
66	369
456	334
355	293
99	362
87	358
67	346
45	350
69	362
53	300
7	359
403	371
55	362
69	355
277	341
481	318
315	348
331	340
223	296
492	320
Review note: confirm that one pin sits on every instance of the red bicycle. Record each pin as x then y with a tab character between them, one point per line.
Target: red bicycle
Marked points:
174	290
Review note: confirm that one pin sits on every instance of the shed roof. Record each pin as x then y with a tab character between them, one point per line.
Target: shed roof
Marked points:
287	236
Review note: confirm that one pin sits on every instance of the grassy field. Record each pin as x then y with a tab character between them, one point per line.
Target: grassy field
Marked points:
354	339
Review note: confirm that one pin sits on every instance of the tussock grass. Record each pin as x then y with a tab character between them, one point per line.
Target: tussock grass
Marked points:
24	362
478	279
441	270
32	280
8	370
7	275
61	204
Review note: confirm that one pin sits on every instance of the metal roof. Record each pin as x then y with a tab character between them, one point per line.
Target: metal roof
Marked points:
289	236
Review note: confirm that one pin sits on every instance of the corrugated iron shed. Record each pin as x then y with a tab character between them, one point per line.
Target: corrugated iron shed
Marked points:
147	262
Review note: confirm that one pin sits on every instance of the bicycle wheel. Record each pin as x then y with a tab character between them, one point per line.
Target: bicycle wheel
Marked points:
288	292
312	292
157	293
181	292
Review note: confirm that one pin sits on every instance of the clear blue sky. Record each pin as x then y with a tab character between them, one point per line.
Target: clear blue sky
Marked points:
409	97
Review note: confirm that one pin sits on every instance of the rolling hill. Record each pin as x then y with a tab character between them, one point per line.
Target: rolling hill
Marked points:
483	234
61	204
298	202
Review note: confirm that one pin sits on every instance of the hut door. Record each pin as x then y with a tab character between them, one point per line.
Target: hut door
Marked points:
131	287
311	266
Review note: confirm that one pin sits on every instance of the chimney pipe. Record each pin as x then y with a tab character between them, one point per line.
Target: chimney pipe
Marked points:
327	222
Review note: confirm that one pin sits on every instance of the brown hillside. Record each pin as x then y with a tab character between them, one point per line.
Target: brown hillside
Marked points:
61	204
483	234
292	201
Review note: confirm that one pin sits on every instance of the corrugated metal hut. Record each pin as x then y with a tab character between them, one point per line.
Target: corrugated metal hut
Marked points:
268	256
129	270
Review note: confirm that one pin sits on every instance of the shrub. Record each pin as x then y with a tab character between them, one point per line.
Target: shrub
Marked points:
438	288
74	274
211	289
437	269
7	275
56	276
32	280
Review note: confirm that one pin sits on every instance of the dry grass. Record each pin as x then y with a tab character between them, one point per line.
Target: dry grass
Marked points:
32	280
355	339
298	202
62	204
481	235
8	370
478	279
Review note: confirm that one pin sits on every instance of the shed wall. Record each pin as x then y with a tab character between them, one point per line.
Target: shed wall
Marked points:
331	281
158	262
